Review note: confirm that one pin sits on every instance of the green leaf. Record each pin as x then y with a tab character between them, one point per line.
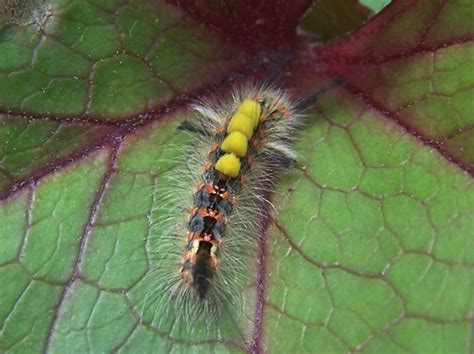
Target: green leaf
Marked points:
370	246
375	5
331	18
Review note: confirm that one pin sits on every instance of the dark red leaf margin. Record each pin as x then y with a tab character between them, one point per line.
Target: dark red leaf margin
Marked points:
253	23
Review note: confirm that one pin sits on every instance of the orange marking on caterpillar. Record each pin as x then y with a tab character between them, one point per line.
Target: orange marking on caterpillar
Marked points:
250	160
213	148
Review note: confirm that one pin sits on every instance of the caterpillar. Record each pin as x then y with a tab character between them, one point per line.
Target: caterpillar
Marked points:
208	239
248	143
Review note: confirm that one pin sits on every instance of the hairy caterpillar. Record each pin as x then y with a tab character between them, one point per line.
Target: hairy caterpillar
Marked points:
249	142
208	238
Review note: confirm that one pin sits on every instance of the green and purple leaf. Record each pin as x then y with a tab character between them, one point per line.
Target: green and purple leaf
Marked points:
371	248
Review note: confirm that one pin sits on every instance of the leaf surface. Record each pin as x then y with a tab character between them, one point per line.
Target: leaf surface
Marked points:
370	249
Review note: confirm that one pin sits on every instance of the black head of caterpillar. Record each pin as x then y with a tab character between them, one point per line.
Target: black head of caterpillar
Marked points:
248	142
